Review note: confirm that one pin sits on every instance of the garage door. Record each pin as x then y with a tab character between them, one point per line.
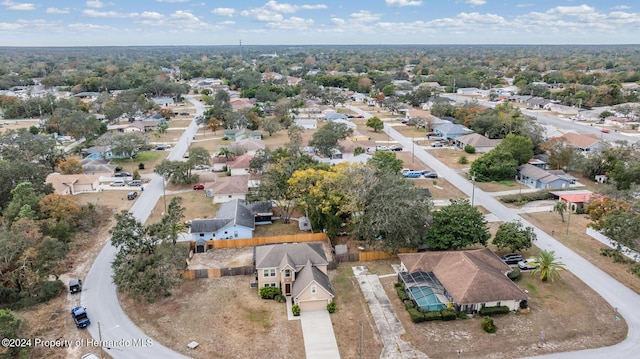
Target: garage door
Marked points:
312	305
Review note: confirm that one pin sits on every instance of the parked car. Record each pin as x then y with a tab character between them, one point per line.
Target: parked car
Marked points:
135	183
511	258
395	148
132	195
382	148
405	170
527	264
431	175
75	285
199	186
80	317
122	174
359	116
412	174
201	167
425	172
184	113
118	183
437	144
605	130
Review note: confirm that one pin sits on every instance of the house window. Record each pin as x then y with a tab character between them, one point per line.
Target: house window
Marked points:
287	273
269	272
314	289
270	285
201	234
235	234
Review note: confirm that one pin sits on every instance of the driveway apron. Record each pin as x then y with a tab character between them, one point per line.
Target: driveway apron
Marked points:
319	339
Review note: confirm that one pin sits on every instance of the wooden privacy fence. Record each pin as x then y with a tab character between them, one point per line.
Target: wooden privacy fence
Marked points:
371	256
216	272
256	241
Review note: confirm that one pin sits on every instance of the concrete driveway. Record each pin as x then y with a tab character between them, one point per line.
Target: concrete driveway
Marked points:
319	339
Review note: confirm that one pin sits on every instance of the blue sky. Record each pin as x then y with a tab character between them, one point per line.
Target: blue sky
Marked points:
194	22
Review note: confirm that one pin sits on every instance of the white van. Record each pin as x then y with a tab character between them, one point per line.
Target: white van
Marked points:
118	183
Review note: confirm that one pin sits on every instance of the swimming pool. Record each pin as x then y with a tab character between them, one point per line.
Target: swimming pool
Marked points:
94	155
427	299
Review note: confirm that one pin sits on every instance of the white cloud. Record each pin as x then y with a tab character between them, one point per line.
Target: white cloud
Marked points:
622	7
290	8
7	26
338	21
90	27
401	3
476	2
95	3
227	23
292	23
262	15
172	0
55	10
152	15
224	11
365	16
18	6
108	14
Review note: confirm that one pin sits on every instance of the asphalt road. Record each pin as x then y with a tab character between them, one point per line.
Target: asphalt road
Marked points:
121	338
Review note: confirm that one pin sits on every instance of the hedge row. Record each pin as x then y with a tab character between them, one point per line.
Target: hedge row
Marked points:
488	311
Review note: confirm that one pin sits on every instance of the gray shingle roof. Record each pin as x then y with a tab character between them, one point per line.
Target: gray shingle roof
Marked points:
208	225
307	276
270	256
237	211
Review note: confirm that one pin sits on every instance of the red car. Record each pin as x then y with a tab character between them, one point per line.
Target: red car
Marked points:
605	130
198	186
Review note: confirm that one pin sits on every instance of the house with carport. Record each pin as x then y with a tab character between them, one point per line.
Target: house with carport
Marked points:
583	142
299	270
73	183
467	280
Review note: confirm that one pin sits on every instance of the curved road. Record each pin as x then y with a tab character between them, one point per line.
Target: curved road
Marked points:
121	337
615	293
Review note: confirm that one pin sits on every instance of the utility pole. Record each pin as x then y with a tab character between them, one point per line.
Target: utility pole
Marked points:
100	340
473	188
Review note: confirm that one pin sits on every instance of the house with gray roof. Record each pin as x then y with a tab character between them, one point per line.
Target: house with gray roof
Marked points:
450	131
535	177
299	270
332	116
482	144
235	219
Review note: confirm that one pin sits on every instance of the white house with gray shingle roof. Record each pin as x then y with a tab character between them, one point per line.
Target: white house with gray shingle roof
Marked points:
299	270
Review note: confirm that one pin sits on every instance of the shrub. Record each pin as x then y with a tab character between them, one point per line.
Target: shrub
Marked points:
488	326
295	309
269	292
408	304
617	256
416	316
140	166
448	314
331	307
463	160
432	315
486	311
401	293
397	285
469	149
461	315
280	298
514	275
635	270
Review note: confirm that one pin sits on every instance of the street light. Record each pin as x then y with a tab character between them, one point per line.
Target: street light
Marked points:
100	338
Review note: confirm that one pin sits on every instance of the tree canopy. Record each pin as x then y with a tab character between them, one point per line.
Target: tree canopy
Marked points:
456	226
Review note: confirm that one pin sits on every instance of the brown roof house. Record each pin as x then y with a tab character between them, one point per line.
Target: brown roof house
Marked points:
74	183
299	270
482	144
465	280
240	165
586	143
225	189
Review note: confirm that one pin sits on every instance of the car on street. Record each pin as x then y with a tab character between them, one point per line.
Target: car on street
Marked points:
604	130
528	264
511	258
199	186
80	317
412	174
431	175
437	144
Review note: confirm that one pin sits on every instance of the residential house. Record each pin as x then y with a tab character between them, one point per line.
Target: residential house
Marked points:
349	146
238	134
468	91
331	115
307	124
235	219
583	142
102	152
450	131
535	177
299	269
481	143
239	103
575	200
247	146
226	189
465	280
97	165
240	165
73	183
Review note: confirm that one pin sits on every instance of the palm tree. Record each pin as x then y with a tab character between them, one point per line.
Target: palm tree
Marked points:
226	153
548	267
560	207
